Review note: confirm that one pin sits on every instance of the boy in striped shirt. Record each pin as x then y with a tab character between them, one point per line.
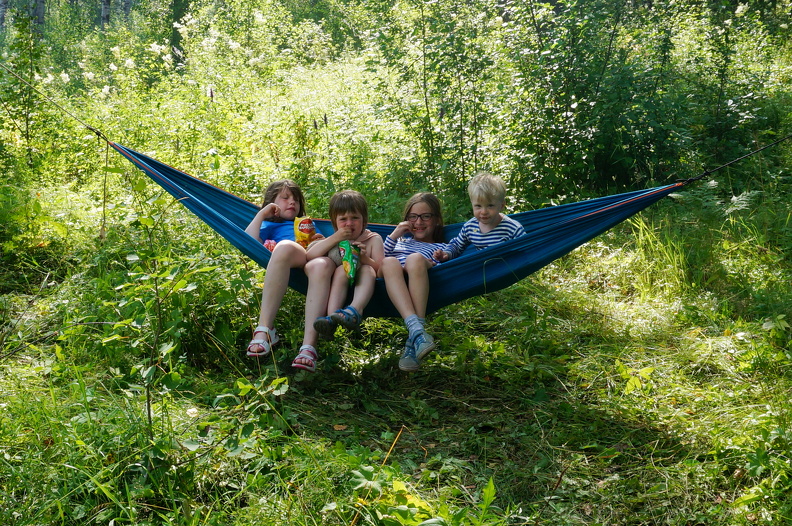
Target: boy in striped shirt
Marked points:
489	226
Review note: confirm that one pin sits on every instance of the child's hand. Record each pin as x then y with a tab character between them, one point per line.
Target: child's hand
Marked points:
441	255
271	210
316	237
341	234
362	248
401	229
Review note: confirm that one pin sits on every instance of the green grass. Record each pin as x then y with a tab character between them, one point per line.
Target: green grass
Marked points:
608	388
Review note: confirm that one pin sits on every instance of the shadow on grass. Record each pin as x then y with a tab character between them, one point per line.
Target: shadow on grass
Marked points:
494	401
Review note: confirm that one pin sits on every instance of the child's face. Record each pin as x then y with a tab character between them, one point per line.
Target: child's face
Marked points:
288	205
422	229
352	222
487	211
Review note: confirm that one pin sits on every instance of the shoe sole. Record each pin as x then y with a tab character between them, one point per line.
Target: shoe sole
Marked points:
324	328
431	347
410	369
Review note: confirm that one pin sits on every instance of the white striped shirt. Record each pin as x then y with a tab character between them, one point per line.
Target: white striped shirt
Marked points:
405	246
470	234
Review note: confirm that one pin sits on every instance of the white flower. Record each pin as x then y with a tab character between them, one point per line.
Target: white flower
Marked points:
88	75
113	67
741	9
49	78
234	45
129	63
65	77
106	90
168	58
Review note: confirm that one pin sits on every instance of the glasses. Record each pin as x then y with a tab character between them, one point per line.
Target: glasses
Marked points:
412	218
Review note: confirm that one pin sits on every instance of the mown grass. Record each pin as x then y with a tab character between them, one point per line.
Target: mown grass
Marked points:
643	379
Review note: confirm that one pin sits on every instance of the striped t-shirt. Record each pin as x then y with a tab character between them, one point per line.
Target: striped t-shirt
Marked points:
407	245
470	234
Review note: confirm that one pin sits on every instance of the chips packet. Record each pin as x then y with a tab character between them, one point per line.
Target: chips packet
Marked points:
269	244
304	229
350	259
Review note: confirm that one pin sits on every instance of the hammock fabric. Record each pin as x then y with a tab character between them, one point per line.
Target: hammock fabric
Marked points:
550	233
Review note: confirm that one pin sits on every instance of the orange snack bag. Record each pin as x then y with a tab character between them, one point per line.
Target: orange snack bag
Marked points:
304	229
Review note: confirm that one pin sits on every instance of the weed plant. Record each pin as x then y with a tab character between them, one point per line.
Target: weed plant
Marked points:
642	379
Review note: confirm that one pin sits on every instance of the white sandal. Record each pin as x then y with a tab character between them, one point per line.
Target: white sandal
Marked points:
265	344
309	354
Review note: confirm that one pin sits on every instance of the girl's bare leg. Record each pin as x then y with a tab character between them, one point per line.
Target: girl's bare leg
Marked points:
416	266
364	288
320	272
396	285
286	256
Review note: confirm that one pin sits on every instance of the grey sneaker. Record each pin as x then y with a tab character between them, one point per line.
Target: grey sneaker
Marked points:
408	362
423	343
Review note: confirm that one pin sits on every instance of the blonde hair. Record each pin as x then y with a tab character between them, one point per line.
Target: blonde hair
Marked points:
348	201
484	185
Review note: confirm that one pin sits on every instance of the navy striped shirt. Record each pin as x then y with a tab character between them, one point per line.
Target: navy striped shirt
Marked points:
409	245
470	234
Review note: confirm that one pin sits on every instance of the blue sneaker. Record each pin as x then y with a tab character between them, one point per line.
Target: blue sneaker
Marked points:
423	343
408	362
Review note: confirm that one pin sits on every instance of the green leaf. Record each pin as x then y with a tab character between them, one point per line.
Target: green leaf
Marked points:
632	384
191	445
366	479
488	494
172	380
244	386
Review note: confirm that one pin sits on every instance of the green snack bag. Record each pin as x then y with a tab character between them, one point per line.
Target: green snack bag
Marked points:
350	259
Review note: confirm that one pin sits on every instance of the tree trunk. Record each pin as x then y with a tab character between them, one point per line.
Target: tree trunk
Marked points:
38	14
179	9
3	10
105	16
127	8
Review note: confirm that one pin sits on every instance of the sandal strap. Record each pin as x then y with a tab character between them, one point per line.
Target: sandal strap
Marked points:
350	312
267	343
308	351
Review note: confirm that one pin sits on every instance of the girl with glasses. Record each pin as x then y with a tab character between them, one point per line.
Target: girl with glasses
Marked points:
409	254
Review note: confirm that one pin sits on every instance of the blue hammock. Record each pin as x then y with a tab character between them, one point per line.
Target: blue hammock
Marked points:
551	233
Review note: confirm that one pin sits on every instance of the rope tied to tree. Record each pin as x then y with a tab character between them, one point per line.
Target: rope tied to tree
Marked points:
707	172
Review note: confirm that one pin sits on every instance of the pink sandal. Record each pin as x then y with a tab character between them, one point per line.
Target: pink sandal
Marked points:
308	353
265	345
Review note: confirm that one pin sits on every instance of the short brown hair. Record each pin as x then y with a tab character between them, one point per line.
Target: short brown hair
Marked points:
347	201
274	189
433	202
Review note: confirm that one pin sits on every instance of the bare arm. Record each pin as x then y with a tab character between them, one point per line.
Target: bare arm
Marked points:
267	212
372	252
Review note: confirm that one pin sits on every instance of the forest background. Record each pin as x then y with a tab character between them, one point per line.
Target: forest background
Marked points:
642	379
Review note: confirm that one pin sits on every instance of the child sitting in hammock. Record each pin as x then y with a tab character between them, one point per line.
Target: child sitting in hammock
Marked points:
409	253
489	226
273	226
328	283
